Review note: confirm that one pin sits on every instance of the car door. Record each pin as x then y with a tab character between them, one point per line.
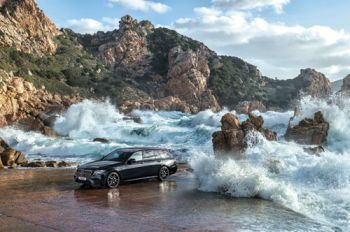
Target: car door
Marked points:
134	170
152	160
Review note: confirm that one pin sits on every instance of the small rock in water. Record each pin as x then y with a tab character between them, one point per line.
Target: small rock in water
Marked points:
101	140
36	164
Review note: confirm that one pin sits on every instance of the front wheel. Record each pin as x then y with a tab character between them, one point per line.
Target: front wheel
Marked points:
113	180
163	173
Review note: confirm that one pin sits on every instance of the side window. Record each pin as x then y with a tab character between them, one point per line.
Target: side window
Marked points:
150	155
137	156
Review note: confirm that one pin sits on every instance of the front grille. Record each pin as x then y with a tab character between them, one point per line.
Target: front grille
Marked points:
85	173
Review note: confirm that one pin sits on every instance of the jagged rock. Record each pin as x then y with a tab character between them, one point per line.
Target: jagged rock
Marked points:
246	107
101	140
257	121
231	140
315	83
25	27
3	145
230	121
309	131
188	74
1	164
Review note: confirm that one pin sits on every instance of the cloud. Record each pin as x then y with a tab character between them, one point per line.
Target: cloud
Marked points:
90	26
278	5
279	50
141	5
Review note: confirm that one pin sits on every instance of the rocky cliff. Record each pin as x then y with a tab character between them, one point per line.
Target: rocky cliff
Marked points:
139	66
25	27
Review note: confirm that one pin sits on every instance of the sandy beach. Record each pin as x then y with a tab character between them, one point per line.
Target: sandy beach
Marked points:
49	200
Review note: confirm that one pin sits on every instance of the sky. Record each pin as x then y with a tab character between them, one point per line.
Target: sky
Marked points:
280	37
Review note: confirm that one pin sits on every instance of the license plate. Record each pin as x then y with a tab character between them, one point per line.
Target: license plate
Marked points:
82	178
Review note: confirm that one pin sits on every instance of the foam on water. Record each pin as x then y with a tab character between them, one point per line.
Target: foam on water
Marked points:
318	187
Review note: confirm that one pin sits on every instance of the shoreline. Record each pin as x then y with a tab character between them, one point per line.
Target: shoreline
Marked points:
49	200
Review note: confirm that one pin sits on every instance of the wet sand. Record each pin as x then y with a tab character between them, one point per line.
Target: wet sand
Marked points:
49	200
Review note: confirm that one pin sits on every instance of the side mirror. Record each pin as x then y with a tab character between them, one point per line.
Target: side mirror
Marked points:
131	161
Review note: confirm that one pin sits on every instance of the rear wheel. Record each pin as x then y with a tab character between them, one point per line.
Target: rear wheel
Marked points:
163	173
113	180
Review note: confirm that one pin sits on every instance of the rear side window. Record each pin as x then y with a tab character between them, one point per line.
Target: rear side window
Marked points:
150	155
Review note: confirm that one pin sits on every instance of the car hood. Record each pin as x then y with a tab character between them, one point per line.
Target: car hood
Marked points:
100	164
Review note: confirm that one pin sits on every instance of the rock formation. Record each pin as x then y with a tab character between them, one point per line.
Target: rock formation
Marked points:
315	84
129	50
232	139
345	88
25	27
23	104
309	131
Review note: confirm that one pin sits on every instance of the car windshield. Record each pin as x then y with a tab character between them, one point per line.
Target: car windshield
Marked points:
117	156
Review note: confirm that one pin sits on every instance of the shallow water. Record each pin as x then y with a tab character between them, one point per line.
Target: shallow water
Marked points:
318	187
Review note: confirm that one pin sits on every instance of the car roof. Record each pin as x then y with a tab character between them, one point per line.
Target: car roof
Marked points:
134	149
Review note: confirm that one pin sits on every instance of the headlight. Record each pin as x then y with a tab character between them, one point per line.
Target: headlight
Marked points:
98	172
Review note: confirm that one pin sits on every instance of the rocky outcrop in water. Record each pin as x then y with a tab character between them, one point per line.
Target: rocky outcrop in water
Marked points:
232	139
310	131
25	27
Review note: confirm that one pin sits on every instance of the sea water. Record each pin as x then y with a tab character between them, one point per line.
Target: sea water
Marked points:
279	171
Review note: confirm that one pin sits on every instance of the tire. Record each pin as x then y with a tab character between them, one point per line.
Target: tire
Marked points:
112	180
163	173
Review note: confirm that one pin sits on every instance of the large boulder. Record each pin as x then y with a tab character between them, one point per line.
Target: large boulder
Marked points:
309	131
232	139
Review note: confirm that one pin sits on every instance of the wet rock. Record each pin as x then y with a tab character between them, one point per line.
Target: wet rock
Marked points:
36	164
229	122
51	164
136	119
232	139
1	164
309	131
274	166
48	131
101	140
314	150
257	121
64	164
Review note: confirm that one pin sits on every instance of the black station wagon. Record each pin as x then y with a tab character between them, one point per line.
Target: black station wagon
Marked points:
127	164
